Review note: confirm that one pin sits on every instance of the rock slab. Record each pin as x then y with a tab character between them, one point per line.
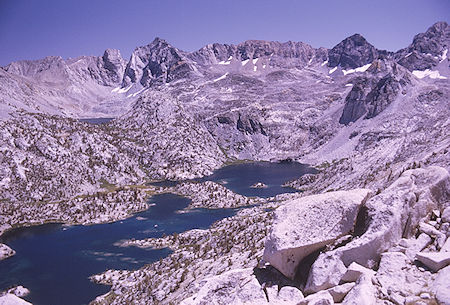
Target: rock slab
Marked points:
304	225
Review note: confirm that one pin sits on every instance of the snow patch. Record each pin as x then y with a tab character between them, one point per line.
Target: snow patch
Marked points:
332	70
264	66
136	93
359	69
407	55
444	55
220	78
255	60
244	62
255	68
226	62
124	90
428	73
324	63
348	85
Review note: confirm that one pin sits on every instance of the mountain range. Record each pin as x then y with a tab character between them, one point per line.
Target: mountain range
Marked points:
360	115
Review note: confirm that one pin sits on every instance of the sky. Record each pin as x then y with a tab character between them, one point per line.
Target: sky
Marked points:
33	29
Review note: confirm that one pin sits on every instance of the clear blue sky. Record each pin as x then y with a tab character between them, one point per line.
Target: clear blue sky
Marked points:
31	29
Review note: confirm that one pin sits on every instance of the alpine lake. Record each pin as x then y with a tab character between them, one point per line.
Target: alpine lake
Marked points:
55	261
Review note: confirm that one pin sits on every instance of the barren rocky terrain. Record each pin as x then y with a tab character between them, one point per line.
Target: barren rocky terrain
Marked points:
371	227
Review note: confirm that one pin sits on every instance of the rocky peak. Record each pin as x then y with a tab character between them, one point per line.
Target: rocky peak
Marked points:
353	52
427	49
33	67
213	53
252	49
371	95
157	60
114	64
49	70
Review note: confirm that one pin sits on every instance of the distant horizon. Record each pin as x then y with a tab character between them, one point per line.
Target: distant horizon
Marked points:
83	28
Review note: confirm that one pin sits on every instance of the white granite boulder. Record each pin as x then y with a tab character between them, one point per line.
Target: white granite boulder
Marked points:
362	293
441	286
240	286
319	298
434	260
304	225
392	214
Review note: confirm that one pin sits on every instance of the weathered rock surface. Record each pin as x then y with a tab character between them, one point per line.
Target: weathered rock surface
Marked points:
417	245
157	61
319	298
440	286
392	214
339	292
398	278
427	48
434	260
362	293
327	272
241	287
305	225
446	215
355	271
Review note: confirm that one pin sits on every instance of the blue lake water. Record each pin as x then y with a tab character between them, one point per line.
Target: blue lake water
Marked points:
240	177
55	261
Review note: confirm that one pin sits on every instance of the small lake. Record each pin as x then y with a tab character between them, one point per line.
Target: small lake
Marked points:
55	261
241	177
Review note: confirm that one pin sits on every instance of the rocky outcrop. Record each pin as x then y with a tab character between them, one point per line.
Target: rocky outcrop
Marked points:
114	66
353	52
6	252
355	103
157	61
253	49
303	226
370	96
106	70
393	214
173	144
427	49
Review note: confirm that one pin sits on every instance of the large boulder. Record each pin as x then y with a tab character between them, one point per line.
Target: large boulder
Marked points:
304	225
240	286
393	214
440	286
362	293
434	260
